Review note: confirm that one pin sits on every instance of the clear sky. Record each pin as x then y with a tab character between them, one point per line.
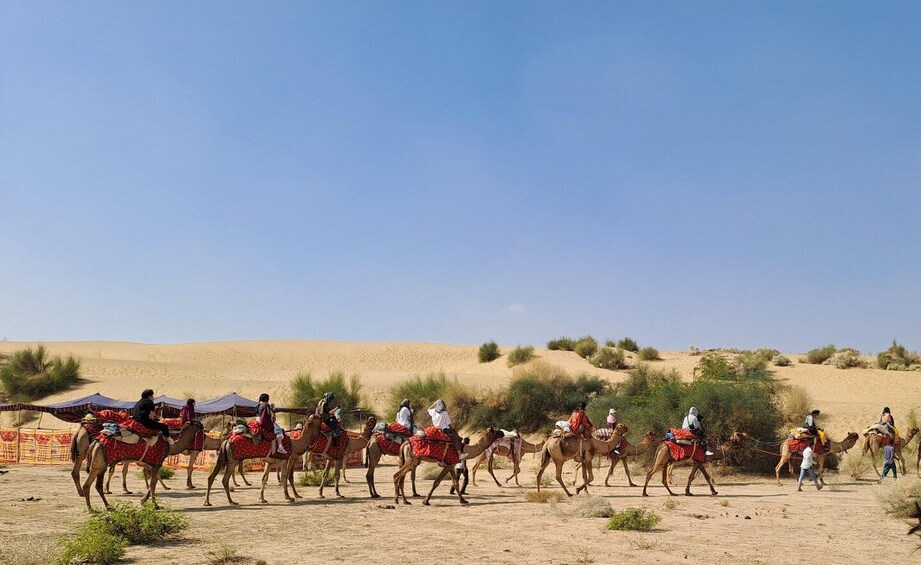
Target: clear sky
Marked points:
686	173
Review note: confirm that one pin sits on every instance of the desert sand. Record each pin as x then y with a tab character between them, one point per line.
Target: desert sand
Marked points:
843	523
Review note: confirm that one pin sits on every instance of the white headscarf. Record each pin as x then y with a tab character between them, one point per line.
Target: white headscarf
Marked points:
440	405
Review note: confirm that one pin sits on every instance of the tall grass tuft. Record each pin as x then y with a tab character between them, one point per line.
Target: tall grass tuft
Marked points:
520	355
489	351
422	392
561	344
648	354
588	506
795	403
628	344
307	391
586	346
819	355
900	497
29	374
898	358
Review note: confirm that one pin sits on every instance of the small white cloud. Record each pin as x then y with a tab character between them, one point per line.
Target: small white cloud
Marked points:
514	309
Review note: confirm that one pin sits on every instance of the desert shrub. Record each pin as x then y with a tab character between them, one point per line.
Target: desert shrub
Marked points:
166	473
628	344
489	351
782	361
422	392
898	358
795	403
30	374
92	543
714	366
536	394
140	525
610	343
588	506
305	391
648	354
901	497
819	356
586	347
609	358
854	464
314	478
749	361
520	355
766	353
846	358
561	344
634	519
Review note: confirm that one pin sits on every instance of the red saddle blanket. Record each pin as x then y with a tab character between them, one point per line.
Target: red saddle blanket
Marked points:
111	416
681	433
116	451
694	451
175	428
124	421
435	445
242	447
798	445
324	443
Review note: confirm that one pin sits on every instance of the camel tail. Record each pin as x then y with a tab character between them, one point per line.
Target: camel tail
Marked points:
544	456
221	460
74	452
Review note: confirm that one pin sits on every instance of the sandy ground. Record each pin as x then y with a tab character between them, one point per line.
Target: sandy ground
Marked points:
839	524
750	521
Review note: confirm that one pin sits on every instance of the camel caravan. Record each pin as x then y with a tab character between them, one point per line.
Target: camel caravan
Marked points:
108	437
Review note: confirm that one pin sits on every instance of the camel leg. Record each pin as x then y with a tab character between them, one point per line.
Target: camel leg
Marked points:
111	471
100	490
783	459
665	470
516	468
96	476
398	481
152	489
323	479
75	474
193	456
873	453
444	471
412	479
544	461
575	472
627	472
291	480
265	480
337	472
649	475
559	477
703	470
160	480
460	490
476	465
586	476
225	480
369	475
242	472
687	489
489	468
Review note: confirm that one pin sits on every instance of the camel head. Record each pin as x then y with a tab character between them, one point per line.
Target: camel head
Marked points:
650	437
911	432
492	435
849	441
622	428
738	437
369	427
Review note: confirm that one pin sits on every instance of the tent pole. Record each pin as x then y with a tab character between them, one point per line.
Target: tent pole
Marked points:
18	434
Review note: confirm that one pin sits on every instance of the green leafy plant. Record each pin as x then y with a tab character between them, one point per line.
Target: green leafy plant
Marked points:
29	374
586	347
847	358
140	525
520	355
489	351
609	358
898	358
561	344
314	478
92	543
628	344
634	519
819	355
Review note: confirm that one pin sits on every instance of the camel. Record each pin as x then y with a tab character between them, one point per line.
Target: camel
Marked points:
97	465
872	444
409	461
502	450
664	461
227	463
834	447
79	449
627	450
560	449
374	454
355	444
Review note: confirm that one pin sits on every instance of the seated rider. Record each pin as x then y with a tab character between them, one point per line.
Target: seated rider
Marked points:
405	416
326	412
888	421
812	426
265	416
187	413
441	420
694	424
141	414
581	426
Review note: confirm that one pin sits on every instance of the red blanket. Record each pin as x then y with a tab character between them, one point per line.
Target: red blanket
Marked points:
175	428
798	445
400	429
243	447
111	416
679	452
321	444
681	433
116	451
93	428
436	445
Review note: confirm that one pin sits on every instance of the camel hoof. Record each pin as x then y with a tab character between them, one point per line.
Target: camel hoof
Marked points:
417	495
714	493
464	501
321	496
375	496
263	501
298	496
646	495
232	503
340	496
688	494
164	487
425	503
207	504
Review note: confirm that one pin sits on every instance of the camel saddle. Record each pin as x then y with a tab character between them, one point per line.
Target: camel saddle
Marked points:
435	444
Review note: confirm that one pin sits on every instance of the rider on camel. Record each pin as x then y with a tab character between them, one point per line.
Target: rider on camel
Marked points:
405	416
441	420
141	414
813	427
693	422
265	416
579	423
187	413
325	410
887	420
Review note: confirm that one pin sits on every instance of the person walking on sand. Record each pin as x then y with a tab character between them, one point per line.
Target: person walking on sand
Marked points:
889	463
805	468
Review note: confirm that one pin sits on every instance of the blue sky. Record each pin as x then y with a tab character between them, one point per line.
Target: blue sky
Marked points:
709	174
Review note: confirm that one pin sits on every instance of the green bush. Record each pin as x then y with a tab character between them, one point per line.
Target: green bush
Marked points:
648	354
139	525
314	478
898	358
628	344
489	351
634	519
30	374
610	343
562	344
819	356
782	361
92	543
520	355
586	347
847	358
305	391
766	353
423	392
609	358
535	398
166	473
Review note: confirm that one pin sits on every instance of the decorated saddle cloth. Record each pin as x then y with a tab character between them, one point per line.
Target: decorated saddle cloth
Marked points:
436	445
243	446
605	434
175	428
150	450
798	445
125	422
880	433
325	444
688	448
511	443
390	437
